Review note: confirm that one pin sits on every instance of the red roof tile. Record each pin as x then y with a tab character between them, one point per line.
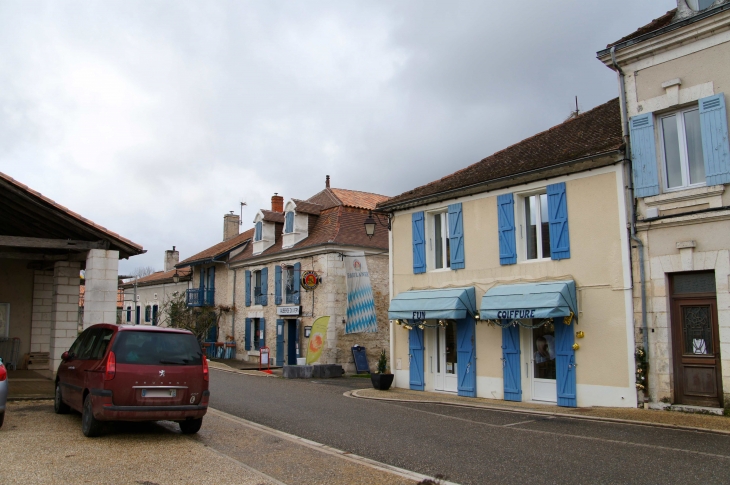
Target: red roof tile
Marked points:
305	207
160	277
655	24
218	249
350	198
591	133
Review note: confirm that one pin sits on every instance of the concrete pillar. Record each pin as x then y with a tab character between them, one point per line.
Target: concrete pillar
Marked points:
64	309
40	326
100	296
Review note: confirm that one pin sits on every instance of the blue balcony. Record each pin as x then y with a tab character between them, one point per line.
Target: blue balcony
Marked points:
200	297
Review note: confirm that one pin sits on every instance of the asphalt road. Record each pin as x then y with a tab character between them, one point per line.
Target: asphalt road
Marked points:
474	446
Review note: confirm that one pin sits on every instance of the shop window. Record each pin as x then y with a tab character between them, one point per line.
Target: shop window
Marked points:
537	227
681	146
439	241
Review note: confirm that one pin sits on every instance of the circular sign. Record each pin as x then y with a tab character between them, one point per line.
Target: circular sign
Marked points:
310	280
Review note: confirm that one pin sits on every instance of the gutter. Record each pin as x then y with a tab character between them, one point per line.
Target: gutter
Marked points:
444	195
306	252
632	231
656	33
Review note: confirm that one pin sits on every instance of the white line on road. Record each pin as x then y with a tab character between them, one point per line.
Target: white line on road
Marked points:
327	449
521	422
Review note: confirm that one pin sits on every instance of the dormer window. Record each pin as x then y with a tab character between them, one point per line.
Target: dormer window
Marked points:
289	222
699	5
258	232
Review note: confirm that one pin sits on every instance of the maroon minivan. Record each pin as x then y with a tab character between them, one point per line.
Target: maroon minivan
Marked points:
133	373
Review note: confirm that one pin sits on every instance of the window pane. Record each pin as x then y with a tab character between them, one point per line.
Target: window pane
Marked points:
531	227
438	248
671	151
447	241
451	355
150	348
545	225
694	147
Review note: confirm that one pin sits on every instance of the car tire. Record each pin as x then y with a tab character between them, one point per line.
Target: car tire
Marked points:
90	426
59	406
2	418
191	426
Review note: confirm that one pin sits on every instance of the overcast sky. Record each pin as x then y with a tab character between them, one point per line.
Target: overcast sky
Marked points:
155	118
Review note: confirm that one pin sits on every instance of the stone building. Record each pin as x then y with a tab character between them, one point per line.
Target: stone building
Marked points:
318	235
673	74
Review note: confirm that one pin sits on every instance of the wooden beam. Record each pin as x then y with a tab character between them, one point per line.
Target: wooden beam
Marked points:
38	242
34	256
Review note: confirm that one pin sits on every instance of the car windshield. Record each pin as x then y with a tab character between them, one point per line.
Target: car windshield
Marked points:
151	348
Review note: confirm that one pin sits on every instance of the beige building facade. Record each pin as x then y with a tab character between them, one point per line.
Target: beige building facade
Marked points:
475	313
674	80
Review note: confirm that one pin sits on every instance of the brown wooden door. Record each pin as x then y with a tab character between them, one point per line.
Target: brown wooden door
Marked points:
696	351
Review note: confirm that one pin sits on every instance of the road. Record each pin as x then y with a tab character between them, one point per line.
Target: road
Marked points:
473	446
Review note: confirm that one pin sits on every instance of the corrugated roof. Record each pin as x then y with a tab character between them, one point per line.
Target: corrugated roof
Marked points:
591	133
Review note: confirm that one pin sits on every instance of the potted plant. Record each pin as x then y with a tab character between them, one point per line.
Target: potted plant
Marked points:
382	379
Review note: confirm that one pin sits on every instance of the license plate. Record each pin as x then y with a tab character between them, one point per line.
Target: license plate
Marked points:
159	392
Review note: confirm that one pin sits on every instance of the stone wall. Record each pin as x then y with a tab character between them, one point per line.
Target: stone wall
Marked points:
42	308
64	309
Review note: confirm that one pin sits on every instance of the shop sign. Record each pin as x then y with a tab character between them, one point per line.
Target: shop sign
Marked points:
288	310
516	314
419	315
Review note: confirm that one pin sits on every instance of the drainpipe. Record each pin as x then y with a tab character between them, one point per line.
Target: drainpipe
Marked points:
632	233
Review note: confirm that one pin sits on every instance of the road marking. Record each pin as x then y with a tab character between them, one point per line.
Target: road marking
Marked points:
566	435
384	467
521	422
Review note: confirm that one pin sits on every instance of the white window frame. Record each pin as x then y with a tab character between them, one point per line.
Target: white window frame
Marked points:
683	155
431	265
284	292
522	251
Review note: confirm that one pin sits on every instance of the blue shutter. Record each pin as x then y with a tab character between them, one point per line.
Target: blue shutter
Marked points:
419	243
248	340
201	270
264	286
715	146
296	284
512	370
277	285
558	218
415	348
456	236
257	236
247	277
209	296
280	342
643	155
506	223
465	351
289	222
262	329
565	364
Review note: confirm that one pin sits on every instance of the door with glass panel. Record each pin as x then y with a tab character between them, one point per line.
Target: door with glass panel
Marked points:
445	375
543	364
695	341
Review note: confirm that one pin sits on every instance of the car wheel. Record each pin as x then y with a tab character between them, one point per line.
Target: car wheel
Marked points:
59	406
90	426
2	418
191	426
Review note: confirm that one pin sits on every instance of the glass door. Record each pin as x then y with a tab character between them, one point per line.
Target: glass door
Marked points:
543	364
446	359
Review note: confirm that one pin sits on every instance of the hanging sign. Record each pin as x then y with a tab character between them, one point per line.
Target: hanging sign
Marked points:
360	302
310	280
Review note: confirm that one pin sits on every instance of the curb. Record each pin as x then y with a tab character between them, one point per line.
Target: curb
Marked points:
30	398
354	394
231	370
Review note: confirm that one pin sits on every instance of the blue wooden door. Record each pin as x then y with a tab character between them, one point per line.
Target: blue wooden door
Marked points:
466	357
415	348
565	364
280	342
511	363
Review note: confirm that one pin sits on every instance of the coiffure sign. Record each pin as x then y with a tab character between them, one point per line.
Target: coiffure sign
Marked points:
516	314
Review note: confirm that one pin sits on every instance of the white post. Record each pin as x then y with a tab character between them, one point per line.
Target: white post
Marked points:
100	296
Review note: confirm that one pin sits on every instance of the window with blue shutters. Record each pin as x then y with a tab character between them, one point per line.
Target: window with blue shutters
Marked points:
247	284
419	243
289	222
264	286
295	286
506	227
258	231
456	236
715	143
643	155
277	285
558	220
537	228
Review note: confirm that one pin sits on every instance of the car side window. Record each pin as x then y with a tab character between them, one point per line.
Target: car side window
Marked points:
74	350
88	344
101	344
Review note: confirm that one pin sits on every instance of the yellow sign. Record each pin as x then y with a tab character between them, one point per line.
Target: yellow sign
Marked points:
316	339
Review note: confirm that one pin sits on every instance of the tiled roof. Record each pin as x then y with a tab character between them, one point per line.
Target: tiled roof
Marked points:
339	225
160	277
350	198
130	248
218	249
655	24
591	133
307	207
271	216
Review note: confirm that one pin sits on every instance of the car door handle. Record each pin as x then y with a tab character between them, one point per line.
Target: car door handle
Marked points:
71	367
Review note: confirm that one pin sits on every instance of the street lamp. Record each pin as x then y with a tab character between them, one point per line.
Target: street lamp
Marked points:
176	277
370	223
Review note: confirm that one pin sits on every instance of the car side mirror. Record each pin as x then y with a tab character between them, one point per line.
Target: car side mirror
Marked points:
65	356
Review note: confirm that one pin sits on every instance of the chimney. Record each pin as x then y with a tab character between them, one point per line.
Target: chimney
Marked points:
171	259
277	203
231	225
327	182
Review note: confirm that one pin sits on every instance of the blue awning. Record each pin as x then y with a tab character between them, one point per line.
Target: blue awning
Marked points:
447	303
529	300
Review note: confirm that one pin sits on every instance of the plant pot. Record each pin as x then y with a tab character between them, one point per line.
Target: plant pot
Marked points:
382	381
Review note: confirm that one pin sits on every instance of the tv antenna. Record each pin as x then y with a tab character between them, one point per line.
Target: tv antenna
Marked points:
240	218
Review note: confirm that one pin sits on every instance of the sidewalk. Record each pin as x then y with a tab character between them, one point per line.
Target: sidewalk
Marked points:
670	419
28	384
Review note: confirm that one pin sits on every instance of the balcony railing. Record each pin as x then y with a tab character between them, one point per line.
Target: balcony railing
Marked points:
258	297
200	297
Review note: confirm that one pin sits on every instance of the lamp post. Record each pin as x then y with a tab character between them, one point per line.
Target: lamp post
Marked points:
370	223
